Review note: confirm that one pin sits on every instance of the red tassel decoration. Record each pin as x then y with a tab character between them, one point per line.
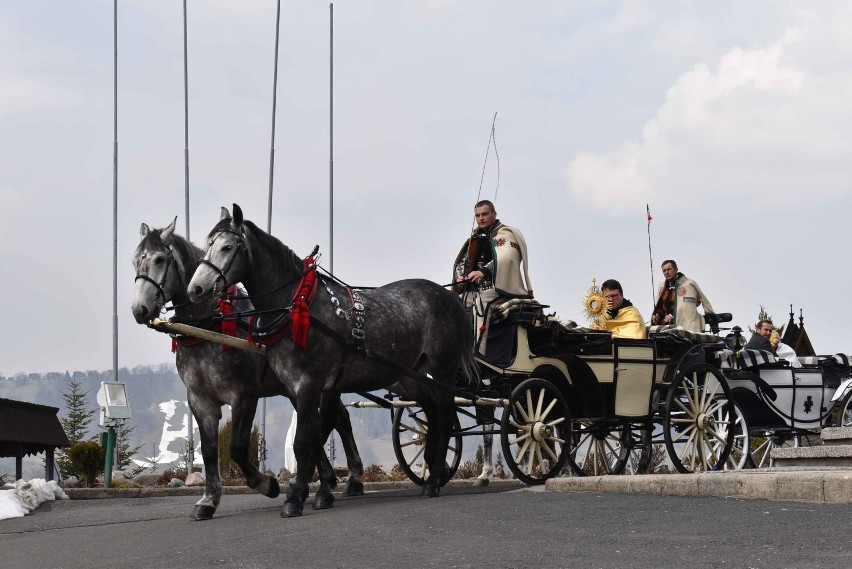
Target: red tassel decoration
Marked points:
300	318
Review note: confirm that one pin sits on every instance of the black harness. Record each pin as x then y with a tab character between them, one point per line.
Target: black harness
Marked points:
161	292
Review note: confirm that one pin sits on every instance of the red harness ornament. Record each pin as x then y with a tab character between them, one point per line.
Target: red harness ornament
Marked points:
300	317
226	325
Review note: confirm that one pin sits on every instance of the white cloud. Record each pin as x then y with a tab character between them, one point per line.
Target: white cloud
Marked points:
758	119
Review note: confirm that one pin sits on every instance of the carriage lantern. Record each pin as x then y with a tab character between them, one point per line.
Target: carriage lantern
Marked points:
735	340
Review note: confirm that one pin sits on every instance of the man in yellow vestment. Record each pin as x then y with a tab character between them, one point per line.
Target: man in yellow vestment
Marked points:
624	321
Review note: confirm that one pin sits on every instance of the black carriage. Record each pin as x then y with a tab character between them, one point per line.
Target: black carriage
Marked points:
780	405
579	400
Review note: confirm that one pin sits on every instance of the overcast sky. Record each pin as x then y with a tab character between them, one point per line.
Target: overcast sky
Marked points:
731	119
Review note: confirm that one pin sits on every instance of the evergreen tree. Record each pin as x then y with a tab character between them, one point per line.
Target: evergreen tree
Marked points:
124	448
75	423
228	469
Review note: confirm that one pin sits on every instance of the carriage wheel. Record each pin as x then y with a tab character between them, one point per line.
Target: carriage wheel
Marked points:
845	417
410	425
600	449
698	421
740	456
535	431
761	455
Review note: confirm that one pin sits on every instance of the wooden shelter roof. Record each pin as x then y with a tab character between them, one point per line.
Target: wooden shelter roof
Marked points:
29	428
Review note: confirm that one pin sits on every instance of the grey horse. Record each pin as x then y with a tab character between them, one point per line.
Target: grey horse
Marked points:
356	340
215	376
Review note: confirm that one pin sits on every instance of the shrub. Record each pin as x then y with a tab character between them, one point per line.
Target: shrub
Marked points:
88	459
468	469
166	477
228	469
374	473
396	474
125	484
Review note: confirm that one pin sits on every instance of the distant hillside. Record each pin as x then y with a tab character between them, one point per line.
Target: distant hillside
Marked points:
158	403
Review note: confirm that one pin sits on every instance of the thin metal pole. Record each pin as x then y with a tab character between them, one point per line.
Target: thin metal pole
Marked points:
331	138
651	260
115	196
331	169
269	207
191	452
274	107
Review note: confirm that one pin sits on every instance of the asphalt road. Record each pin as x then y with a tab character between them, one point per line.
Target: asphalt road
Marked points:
499	527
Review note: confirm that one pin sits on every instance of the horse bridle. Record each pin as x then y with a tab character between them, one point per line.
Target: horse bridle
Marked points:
161	292
241	246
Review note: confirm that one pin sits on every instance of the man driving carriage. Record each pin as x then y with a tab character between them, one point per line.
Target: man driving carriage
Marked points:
491	265
678	300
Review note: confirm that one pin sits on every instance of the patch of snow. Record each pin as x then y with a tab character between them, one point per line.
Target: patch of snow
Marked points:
24	496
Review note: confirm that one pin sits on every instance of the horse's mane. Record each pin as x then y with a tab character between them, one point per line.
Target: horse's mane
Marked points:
188	252
291	261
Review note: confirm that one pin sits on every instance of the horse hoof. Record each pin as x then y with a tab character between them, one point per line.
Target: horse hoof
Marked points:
323	502
291	510
480	482
202	513
354	488
430	491
269	487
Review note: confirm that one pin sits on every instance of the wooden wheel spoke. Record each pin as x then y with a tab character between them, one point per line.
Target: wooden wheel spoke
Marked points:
524	416
547	411
539	404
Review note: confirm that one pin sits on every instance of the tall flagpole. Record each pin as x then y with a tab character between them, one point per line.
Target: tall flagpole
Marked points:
650	258
331	168
269	207
115	197
191	451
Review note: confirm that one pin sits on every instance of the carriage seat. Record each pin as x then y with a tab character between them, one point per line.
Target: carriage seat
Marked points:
557	337
672	331
760	359
839	360
526	311
725	358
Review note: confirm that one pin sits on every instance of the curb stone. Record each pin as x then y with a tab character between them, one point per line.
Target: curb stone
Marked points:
828	486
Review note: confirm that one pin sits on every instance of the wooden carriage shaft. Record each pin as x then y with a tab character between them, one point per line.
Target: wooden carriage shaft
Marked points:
208	335
479	402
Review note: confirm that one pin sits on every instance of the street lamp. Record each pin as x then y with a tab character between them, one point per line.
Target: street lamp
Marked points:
115	408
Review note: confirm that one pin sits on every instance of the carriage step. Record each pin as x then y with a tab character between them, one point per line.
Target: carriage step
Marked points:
837	435
826	455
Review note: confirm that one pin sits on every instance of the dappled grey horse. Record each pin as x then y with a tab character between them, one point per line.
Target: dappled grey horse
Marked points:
351	340
215	376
